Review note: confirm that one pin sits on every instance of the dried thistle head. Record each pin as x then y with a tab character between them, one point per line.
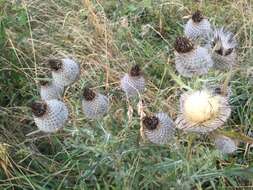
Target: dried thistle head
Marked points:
150	122
197	16
55	64
183	45
88	94
39	108
135	71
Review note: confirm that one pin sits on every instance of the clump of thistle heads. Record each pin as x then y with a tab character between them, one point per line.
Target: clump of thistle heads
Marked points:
218	52
200	111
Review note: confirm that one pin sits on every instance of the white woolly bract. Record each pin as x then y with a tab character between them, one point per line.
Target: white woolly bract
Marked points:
95	108
207	126
132	86
51	91
196	62
164	132
194	30
225	144
68	74
54	118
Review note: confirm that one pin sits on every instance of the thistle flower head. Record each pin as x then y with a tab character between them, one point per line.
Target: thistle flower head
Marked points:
158	129
150	123
223	42
135	71
197	62
198	27
88	94
202	111
94	105
64	71
197	16
55	117
39	108
55	64
183	45
133	83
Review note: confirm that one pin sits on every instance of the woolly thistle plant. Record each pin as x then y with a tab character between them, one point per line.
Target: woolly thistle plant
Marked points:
223	49
133	83
94	105
49	115
158	129
225	144
50	90
202	111
197	26
190	60
64	71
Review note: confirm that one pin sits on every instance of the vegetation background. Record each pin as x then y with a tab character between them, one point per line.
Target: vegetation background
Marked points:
107	38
